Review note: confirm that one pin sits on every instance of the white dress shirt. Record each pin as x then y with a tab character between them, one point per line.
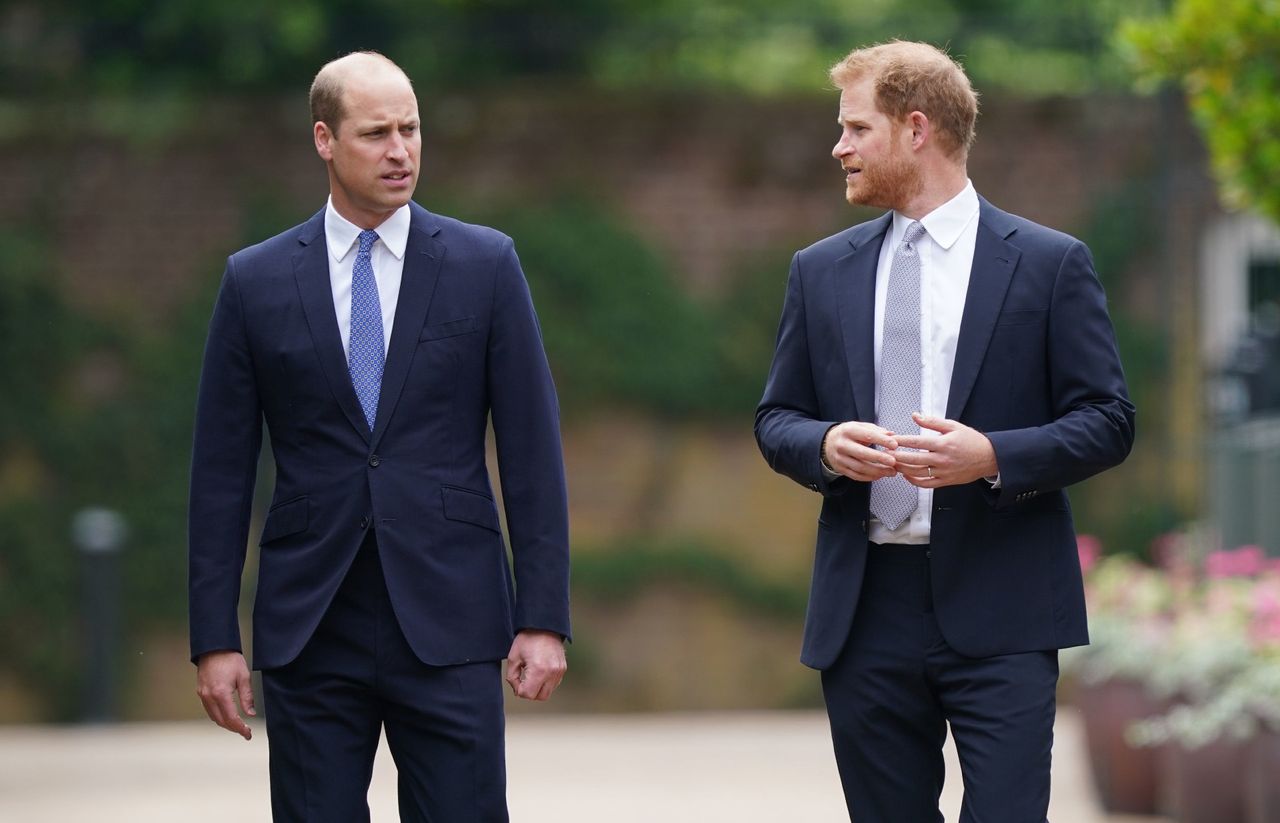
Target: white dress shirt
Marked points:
946	258
387	257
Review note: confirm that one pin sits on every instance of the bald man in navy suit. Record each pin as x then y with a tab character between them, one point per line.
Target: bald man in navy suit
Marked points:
942	374
377	341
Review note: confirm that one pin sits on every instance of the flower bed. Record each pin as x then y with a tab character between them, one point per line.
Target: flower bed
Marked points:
1196	647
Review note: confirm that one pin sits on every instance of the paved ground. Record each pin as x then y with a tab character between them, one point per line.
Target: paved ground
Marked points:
697	768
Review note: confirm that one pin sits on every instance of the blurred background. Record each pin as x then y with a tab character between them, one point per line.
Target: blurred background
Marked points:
657	163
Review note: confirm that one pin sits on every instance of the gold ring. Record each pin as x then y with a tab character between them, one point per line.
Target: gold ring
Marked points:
930	468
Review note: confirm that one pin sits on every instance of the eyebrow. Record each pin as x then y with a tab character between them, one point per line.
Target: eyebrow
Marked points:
373	125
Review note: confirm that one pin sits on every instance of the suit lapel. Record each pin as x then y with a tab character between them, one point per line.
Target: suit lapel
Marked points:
311	270
994	260
422	259
856	302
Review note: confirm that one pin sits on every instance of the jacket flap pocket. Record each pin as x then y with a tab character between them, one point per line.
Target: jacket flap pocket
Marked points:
450	328
469	507
285	519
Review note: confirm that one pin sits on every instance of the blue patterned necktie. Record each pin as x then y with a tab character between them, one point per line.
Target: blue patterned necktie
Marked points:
893	499
367	353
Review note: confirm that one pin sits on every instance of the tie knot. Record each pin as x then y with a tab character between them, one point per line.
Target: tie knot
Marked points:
914	232
368	237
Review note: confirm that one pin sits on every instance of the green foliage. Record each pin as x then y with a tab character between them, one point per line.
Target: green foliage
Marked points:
1126	514
39	346
628	567
619	330
78	47
1024	46
99	414
1224	54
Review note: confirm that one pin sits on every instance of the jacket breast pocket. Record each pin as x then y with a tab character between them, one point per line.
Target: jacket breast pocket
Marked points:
469	507
289	517
1022	317
449	328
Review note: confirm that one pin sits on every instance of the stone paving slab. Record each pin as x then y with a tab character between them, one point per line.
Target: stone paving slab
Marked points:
696	768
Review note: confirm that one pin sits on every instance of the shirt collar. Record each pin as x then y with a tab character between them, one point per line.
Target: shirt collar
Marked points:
947	222
341	234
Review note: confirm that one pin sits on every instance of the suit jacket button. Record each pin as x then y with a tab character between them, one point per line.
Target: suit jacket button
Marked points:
374	461
364	522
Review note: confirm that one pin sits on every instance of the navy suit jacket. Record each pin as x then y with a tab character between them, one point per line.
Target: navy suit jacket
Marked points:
465	347
1036	370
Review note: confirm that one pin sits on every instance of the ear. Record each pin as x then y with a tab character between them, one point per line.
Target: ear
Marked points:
324	139
921	129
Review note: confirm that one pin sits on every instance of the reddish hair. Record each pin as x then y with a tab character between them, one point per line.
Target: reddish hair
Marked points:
917	77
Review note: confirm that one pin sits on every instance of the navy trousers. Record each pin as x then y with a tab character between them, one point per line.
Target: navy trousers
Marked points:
357	676
896	686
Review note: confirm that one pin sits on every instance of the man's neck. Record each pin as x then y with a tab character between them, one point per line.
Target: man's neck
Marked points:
941	183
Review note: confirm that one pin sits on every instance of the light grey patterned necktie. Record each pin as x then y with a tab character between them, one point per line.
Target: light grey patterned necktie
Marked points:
893	499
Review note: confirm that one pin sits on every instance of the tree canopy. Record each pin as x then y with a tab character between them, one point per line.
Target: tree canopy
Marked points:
1226	56
89	47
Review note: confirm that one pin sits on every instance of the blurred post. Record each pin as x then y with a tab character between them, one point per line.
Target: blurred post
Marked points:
99	534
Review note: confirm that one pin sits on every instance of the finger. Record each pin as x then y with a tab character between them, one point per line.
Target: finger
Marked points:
882	438
515	673
854	451
938	424
865	472
545	692
924	482
918	442
530	686
227	716
210	708
920	473
913	459
868	474
866	433
245	690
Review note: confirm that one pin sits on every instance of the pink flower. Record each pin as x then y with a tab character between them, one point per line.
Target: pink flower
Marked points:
1089	548
1246	561
1265	625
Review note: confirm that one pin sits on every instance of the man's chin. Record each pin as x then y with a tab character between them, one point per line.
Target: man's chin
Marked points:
857	198
400	199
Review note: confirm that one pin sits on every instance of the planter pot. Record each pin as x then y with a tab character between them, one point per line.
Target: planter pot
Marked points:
1126	777
1262	778
1204	785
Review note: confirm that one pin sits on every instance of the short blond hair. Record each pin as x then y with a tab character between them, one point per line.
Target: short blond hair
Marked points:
917	77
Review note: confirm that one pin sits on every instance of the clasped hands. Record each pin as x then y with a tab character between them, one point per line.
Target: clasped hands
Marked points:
957	454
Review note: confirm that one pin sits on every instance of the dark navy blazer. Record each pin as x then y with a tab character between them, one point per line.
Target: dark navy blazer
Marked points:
465	347
1036	370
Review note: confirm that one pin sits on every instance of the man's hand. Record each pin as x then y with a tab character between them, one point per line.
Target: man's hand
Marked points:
221	677
535	664
958	455
850	449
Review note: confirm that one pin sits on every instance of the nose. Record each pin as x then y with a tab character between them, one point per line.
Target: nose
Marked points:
841	148
396	149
